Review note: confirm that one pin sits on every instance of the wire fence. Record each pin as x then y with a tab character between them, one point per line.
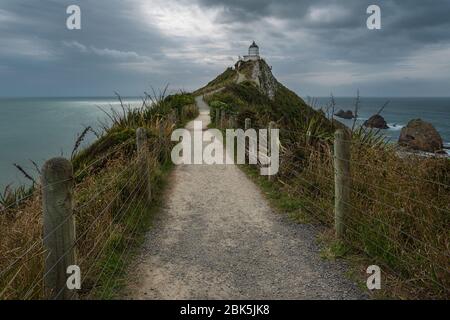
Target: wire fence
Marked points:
89	219
397	211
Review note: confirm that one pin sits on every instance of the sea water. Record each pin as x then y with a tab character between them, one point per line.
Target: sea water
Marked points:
397	113
41	128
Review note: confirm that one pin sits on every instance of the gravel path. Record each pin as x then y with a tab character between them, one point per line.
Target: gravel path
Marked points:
217	238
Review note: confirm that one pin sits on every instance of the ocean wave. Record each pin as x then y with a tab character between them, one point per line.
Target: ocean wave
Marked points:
395	126
447	148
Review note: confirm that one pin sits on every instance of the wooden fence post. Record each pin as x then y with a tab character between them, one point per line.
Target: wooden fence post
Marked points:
222	119
341	180
233	122
248	123
59	227
272	125
173	116
183	112
142	149
217	111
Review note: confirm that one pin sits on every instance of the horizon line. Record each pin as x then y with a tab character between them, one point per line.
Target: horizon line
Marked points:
141	96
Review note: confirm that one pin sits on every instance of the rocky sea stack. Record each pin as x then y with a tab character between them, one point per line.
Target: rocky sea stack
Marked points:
422	136
344	114
376	121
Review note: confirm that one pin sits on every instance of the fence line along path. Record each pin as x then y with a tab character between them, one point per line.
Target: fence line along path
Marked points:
217	237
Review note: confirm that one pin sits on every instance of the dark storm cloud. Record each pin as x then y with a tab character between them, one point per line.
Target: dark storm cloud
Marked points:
314	46
339	45
413	23
112	51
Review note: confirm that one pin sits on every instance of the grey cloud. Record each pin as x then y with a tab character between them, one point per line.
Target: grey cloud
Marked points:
314	46
105	52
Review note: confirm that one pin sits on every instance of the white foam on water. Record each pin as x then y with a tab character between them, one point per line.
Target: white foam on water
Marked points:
395	126
447	145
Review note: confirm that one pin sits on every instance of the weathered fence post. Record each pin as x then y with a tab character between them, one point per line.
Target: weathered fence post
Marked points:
248	123
59	227
341	180
173	116
142	148
183	112
217	111
222	119
247	126
272	125
233	122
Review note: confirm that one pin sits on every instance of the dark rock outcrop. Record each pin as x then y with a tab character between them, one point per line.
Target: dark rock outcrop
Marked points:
344	114
422	136
376	121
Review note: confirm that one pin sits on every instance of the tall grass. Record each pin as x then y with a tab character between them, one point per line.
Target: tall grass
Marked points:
400	203
106	201
399	209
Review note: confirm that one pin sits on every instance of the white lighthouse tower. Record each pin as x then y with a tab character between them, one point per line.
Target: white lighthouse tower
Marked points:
253	53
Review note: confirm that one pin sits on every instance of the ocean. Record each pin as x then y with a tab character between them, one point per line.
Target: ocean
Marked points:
41	128
397	113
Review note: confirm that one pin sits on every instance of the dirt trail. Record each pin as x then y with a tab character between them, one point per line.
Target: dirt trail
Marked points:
217	238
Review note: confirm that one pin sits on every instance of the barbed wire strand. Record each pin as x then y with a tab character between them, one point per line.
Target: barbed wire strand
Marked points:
366	196
377	167
109	227
64	255
4	271
110	230
384	223
389	191
104	157
126	248
104	264
374	243
40	187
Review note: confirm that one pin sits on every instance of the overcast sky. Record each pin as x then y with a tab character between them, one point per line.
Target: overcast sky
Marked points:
315	47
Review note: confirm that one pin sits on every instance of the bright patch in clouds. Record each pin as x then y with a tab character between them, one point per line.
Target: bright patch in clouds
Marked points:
7	17
182	19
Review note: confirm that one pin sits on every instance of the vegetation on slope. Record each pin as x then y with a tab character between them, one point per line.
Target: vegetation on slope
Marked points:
110	211
400	206
227	77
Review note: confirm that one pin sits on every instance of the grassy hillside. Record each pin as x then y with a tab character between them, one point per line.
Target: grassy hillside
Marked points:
227	77
109	205
399	215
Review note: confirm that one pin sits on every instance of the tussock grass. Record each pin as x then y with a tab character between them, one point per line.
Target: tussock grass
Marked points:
399	207
400	203
227	77
109	210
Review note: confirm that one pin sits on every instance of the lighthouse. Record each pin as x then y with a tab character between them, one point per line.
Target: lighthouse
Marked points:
253	53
